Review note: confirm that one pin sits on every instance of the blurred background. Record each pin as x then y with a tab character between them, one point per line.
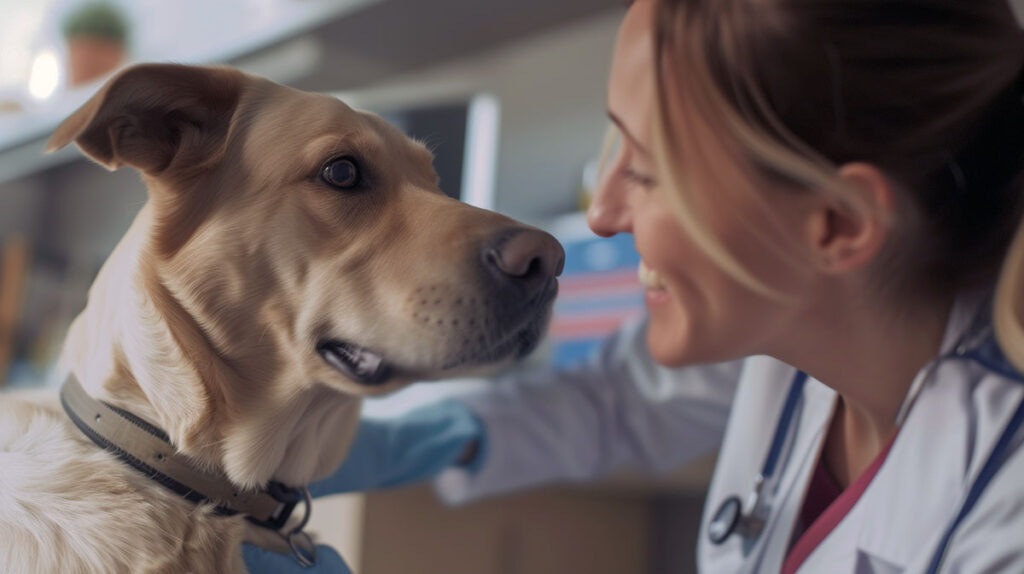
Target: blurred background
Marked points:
512	97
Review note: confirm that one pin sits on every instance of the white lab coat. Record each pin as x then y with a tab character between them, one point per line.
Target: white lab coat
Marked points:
624	410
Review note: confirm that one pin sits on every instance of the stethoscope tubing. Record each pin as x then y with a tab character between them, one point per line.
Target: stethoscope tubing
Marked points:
730	516
796	391
995	460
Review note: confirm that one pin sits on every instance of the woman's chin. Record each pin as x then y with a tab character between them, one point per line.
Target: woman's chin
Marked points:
669	341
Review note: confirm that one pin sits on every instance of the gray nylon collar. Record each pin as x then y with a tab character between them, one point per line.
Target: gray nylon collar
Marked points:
147	448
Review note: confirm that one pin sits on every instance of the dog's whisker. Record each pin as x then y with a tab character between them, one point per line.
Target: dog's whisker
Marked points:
266	328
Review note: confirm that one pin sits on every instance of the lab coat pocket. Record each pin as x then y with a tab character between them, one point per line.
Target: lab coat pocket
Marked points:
872	564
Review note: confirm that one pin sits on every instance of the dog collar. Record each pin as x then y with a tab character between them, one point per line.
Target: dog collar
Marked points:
148	449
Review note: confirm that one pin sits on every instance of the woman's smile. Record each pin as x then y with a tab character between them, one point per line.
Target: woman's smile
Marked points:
655	289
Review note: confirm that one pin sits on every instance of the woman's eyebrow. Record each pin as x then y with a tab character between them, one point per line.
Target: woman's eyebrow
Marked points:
625	132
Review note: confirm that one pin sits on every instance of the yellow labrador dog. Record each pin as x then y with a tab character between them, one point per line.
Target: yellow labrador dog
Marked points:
294	256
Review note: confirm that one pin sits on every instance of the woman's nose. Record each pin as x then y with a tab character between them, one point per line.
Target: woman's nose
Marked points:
609	211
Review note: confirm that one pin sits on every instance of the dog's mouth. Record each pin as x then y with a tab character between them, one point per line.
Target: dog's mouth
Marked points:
370	368
516	344
354	362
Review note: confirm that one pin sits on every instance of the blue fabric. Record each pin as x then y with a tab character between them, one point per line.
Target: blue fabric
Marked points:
402	450
260	561
991	356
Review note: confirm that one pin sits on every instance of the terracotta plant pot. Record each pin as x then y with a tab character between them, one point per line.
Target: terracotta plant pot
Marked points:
90	57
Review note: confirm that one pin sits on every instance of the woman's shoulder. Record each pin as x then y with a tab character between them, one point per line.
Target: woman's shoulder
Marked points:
967	421
986	407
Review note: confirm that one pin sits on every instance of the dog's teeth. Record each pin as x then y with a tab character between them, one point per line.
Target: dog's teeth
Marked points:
366	362
355	362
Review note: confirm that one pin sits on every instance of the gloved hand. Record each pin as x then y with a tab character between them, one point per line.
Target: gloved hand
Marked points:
416	446
260	561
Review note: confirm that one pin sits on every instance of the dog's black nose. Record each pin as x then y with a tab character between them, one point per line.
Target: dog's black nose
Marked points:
528	258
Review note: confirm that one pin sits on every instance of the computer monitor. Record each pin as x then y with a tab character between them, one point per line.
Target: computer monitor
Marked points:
462	133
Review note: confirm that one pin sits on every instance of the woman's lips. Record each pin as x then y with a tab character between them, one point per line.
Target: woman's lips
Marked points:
655	291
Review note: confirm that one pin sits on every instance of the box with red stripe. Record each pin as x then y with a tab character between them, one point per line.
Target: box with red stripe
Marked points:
598	290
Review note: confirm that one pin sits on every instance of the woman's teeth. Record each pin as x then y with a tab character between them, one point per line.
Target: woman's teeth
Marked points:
649	277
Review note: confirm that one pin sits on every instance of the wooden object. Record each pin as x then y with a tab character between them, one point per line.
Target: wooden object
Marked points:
90	58
549	531
13	266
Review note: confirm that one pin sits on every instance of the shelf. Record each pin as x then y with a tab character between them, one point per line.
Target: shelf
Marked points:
219	36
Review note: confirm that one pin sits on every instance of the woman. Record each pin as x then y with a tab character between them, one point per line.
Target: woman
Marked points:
824	194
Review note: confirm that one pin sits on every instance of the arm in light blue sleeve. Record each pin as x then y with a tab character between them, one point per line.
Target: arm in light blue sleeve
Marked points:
618	410
401	450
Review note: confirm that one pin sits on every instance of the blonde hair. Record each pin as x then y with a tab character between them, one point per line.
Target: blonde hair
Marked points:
1008	309
919	89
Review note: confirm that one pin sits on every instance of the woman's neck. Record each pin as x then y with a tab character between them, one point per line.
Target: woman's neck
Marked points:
870	354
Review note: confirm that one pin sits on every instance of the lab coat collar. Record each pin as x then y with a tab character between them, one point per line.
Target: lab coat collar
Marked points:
968	331
932	458
979	344
971	335
942	442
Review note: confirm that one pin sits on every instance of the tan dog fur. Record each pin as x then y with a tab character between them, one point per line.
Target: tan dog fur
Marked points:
205	318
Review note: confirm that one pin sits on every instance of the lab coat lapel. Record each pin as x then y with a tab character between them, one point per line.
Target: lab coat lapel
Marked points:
930	458
941	448
815	414
927	463
953	425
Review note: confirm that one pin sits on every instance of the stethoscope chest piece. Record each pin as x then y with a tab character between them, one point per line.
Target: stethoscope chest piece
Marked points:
730	517
725	520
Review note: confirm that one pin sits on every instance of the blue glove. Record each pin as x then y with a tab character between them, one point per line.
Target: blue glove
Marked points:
410	448
260	561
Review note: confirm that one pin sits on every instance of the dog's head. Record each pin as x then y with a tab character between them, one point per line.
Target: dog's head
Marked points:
303	243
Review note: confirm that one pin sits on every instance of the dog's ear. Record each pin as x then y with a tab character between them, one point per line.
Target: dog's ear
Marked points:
155	116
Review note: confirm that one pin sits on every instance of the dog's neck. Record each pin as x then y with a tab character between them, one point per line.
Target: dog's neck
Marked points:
137	347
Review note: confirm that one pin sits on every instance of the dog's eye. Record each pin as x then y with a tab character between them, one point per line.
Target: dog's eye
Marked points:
342	173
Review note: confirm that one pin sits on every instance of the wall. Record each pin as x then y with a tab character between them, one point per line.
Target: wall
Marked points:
552	93
89	209
76	211
72	216
20	202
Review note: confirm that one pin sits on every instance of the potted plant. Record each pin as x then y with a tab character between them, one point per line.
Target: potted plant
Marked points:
96	34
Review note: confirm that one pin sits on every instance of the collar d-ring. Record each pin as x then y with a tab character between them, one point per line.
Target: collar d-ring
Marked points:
300	543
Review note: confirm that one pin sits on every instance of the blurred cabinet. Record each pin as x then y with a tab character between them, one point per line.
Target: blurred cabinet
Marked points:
551	531
13	266
627	524
597	291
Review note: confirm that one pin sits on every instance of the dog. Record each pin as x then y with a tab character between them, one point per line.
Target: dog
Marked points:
294	256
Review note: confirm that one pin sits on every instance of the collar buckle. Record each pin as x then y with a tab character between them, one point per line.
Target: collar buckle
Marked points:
288	497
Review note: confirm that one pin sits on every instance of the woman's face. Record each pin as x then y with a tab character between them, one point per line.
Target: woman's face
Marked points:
698	311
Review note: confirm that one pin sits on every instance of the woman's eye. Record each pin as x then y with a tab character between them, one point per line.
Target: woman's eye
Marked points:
342	173
641	179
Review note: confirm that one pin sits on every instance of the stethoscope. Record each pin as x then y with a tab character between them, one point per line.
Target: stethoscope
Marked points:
748	521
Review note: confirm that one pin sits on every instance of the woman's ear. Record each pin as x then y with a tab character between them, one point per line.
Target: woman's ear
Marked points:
846	233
